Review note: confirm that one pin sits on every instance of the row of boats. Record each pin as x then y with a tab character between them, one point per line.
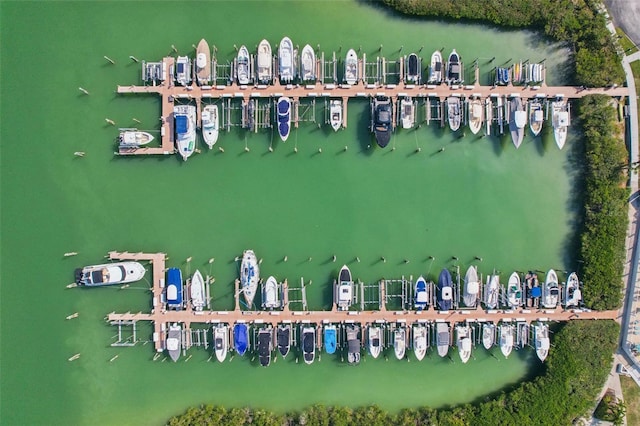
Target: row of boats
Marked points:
526	73
376	337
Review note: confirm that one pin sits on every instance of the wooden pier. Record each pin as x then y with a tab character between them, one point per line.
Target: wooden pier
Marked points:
161	317
170	93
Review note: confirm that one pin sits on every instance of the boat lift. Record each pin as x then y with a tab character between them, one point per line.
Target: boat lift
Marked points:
198	337
372	71
222	74
434	110
129	340
398	289
298	295
328	69
279	290
370	294
304	110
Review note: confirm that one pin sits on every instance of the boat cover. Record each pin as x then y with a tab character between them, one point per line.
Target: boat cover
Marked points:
201	60
413	64
181	124
536	292
240	338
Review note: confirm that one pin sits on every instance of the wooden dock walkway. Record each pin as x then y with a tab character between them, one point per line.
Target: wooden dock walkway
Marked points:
162	317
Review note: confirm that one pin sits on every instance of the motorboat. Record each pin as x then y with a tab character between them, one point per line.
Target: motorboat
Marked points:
173	342
550	290
285	60
210	125
514	291
241	338
249	276
283	338
249	114
488	115
265	345
183	71
435	69
271	294
421	300
344	289
185	126
353	344
109	274
196	291
572	293
174	288
375	340
445	290
454	112
284	117
464	339
399	341
454	69
560	120
203	63
308	64
133	138
536	116
517	72
243	66
335	114
413	69
476	114
351	67
506	339
533	289
471	287
517	120
420	342
502	76
330	338
381	120
492	291
265	62
443	338
541	340
221	341
522	335
488	335
308	344
500	113
407	112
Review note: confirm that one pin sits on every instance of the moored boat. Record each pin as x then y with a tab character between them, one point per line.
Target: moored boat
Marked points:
381	120
443	338
492	291
183	71
506	338
308	64
407	112
243	66
476	114
351	67
185	127
308	344
174	341
435	69
265	345
536	116
285	60
221	341
400	341
109	274
454	112
572	293
463	341
471	287
445	290
284	117
271	295
488	335
344	289
196	291
375	340
454	68
541	340
421	297
488	115
265	62
514	291
335	114
550	290
353	344
249	276
413	69
420	342
241	338
517	120
203	63
134	138
560	120
174	288
210	125
283	338
330	338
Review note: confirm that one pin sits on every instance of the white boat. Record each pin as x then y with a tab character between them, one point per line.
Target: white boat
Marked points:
506	339
109	274
183	71
560	120
265	62
407	112
173	341
375	340
308	64
443	338
492	291
550	290
572	293
471	287
536	116
421	299
242	66
203	63
488	335
541	340
249	276
351	67
488	115
185	127
335	114
210	125
514	291
463	342
344	289
221	341
517	120
399	341
454	69
420	341
284	117
476	115
454	112
271	295
134	138
353	344
285	60
435	70
197	291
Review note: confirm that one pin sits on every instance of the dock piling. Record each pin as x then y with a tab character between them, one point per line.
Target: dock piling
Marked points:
85	91
133	58
109	59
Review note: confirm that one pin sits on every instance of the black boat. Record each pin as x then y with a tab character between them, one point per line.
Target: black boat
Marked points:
353	344
413	69
381	120
445	290
284	339
265	339
309	344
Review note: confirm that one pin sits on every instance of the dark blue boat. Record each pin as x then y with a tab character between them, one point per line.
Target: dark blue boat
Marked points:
445	290
174	288
241	338
381	120
284	117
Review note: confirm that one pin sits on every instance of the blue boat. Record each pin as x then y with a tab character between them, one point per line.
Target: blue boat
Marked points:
445	290
174	288
241	338
330	333
284	117
421	296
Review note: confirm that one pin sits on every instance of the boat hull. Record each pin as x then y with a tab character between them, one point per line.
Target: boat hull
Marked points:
210	125
265	62
308	344
284	117
335	111
249	276
221	342
109	274
197	291
351	67
242	66
283	337
285	60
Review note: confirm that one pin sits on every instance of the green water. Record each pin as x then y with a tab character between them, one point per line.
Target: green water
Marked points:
480	197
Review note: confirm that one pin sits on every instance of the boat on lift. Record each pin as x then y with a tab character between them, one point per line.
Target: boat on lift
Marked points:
541	340
335	114
353	344
476	114
173	341
421	295
265	345
203	63
536	116
454	112
283	338
375	340
249	276
308	64
488	335
492	292
271	294
344	289
420	342
242	66
351	67
196	291
241	338
550	290
133	138
471	287
413	69
506	339
308	344
210	125
265	62
443	338
560	120
109	274
445	291
284	117
407	112
572	293
174	288
381	120
399	341
185	125
286	61
330	338
514	291
221	341
183	71
488	115
435	69
454	68
517	120
463	341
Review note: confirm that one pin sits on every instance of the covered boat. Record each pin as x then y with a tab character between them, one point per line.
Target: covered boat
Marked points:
381	120
541	340
344	289
221	341
492	292
308	64
271	294
241	338
134	138
435	69
443	338
454	112
197	291
550	290
335	114
203	63
183	71
413	69
249	276
517	120
375	340
488	115
330	338
210	125
454	68
407	112
174	288
476	114
420	342
285	60
308	344
353	344
506	339
173	342
243	72
284	117
572	293
283	337
536	116
351	67
400	341
421	295
185	127
488	335
471	287
560	120
265	62
445	290
514	291
265	345
463	341
109	274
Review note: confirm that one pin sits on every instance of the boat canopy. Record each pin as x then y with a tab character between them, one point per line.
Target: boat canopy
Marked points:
421	297
536	292
345	293
465	344
384	115
542	343
201	60
181	123
447	293
563	118
172	344
354	345
443	338
172	292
